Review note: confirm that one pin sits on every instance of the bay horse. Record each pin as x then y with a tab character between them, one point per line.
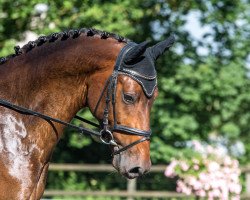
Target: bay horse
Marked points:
46	82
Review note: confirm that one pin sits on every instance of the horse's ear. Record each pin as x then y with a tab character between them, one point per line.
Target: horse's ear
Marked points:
161	47
135	52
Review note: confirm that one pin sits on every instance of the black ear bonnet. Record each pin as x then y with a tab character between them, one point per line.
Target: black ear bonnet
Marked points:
138	62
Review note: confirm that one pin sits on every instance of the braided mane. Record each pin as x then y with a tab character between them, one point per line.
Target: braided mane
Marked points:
62	36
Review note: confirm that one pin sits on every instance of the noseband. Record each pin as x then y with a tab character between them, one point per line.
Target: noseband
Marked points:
106	133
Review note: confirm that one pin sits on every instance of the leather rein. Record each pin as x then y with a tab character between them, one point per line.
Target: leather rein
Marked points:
106	133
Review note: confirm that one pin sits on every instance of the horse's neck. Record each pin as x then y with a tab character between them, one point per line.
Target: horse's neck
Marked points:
54	82
52	79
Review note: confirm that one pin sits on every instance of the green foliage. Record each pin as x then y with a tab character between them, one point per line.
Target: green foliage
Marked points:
199	95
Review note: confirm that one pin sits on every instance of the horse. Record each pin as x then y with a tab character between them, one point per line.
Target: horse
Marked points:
47	81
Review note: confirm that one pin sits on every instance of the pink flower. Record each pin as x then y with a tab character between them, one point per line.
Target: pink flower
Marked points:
182	187
203	177
169	172
235	188
210	195
206	186
225	192
227	170
234	177
216	193
178	189
218	174
200	193
209	175
210	149
215	184
237	197
187	191
196	167
228	161
213	166
197	185
197	145
191	180
184	166
195	161
235	163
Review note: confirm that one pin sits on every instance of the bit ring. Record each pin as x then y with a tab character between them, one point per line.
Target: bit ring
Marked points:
107	137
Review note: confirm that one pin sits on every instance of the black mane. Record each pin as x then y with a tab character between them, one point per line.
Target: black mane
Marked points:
62	36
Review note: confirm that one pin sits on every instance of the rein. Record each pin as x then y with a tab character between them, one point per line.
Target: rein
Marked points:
106	133
25	111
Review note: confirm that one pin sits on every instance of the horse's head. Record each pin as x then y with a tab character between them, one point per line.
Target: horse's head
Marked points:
123	106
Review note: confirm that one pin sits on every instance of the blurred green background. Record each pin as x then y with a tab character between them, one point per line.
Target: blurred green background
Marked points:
204	80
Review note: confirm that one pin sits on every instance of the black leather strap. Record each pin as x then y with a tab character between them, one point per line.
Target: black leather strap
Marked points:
102	93
130	145
132	131
26	111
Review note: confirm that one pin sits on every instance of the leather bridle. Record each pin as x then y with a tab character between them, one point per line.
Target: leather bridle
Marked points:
106	133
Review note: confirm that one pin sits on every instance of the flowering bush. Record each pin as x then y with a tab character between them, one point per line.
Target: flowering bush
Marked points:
210	173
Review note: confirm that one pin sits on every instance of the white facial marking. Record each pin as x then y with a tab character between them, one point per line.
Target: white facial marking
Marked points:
17	153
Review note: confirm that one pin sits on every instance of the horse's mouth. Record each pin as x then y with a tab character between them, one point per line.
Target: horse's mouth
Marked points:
127	170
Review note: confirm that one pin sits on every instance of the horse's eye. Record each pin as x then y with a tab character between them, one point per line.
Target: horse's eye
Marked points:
129	98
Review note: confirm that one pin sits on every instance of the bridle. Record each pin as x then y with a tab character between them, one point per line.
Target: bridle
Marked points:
106	133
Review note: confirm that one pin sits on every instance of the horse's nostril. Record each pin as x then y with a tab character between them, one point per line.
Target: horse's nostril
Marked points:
136	171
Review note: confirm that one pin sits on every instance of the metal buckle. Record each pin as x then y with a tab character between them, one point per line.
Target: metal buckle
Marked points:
107	137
